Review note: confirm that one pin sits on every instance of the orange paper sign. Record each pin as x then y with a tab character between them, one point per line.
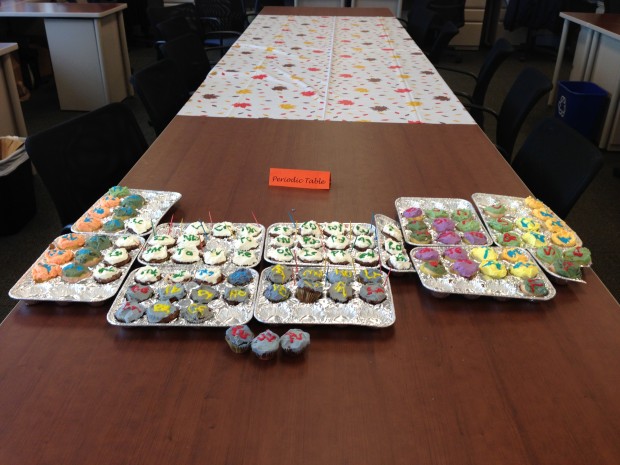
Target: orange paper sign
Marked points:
301	179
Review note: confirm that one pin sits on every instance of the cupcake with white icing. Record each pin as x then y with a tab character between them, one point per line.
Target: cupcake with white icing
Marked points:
162	239
208	276
251	230
197	227
190	240
280	254
129	242
139	225
186	255
339	257
223	230
310	228
309	242
245	243
244	258
337	242
281	230
155	254
215	256
116	257
282	241
147	275
310	255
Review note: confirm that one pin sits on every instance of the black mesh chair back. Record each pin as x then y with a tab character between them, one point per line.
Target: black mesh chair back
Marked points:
174	27
500	51
187	11
557	164
422	27
190	58
529	87
162	91
449	10
230	14
442	40
80	159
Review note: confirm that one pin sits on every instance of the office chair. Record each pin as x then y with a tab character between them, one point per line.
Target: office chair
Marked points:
449	10
78	160
231	15
429	32
557	164
189	57
528	88
500	51
162	91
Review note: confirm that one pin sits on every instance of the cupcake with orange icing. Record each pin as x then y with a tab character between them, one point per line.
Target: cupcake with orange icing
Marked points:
98	212
88	224
110	201
543	214
58	257
70	241
42	272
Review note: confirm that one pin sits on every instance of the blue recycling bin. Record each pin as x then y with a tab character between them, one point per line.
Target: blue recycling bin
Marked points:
582	106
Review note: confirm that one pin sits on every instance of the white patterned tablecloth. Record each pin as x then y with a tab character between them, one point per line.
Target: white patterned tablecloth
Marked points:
327	68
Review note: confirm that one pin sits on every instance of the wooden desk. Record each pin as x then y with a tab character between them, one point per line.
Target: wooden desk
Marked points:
454	381
88	50
11	116
596	59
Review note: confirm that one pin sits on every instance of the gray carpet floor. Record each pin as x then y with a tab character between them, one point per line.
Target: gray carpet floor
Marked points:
595	217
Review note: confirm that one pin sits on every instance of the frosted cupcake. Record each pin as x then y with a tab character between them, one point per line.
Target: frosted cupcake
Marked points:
265	345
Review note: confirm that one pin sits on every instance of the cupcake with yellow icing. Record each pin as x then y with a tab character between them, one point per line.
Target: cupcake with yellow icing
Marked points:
563	238
514	255
543	214
534	239
482	254
527	224
555	225
533	203
524	270
493	269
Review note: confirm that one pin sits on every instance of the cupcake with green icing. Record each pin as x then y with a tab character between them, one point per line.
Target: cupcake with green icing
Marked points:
579	255
500	224
509	240
566	269
548	254
435	213
468	225
113	225
416	225
496	210
535	287
420	237
118	191
461	214
433	268
133	201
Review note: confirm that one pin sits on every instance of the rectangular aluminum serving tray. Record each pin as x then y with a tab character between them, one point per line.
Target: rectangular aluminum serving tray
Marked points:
325	311
505	288
157	205
384	255
56	290
224	314
350	249
175	230
515	208
427	203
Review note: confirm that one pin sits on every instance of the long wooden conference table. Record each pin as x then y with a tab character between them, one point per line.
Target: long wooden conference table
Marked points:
453	381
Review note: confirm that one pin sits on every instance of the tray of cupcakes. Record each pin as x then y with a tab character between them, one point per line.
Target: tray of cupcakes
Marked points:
212	244
527	222
440	221
79	267
328	295
392	252
198	297
501	272
313	243
124	209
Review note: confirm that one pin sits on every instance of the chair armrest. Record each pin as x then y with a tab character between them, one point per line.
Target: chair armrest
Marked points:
459	71
404	22
464	95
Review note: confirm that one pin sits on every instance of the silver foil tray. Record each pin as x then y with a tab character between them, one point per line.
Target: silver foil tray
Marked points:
325	261
176	229
325	311
515	208
56	290
224	315
427	203
380	222
157	205
505	288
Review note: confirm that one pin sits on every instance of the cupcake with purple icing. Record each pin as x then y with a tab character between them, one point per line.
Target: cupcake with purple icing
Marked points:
474	238
449	238
426	254
465	268
443	224
413	213
455	253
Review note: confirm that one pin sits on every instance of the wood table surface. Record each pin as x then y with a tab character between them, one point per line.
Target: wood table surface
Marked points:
453	381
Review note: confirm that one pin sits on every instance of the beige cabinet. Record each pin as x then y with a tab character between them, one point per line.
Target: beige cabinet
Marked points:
469	35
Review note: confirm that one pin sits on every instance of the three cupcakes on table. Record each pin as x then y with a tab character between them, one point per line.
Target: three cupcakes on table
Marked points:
265	346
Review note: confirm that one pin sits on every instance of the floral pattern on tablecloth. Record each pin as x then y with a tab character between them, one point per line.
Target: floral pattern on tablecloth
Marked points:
327	68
